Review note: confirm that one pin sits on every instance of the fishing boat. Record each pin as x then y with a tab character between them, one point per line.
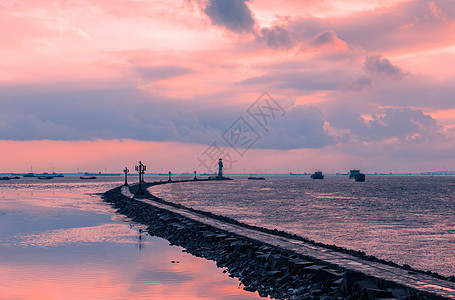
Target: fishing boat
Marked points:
317	175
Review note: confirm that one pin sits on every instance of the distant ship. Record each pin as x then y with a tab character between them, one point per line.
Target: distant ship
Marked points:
29	175
208	174
87	177
317	175
101	174
5	178
353	173
46	177
359	177
256	178
356	175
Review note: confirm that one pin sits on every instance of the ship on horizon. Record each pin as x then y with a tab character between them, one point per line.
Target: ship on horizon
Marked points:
356	175
317	175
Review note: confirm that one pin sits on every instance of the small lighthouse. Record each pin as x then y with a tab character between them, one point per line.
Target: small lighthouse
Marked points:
220	169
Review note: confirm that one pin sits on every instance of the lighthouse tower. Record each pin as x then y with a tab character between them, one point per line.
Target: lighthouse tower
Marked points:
220	169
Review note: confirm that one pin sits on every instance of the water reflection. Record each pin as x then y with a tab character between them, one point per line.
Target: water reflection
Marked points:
68	244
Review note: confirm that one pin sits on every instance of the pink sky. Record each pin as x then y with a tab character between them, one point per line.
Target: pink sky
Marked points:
107	83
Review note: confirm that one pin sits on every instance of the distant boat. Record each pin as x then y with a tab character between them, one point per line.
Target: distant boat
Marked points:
356	175
29	175
359	177
317	175
57	175
87	177
46	177
256	178
208	174
14	177
5	178
100	174
353	173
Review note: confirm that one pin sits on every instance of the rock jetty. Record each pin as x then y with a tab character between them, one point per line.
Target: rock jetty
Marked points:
271	271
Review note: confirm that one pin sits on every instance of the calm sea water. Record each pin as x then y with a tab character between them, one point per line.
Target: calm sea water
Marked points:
58	240
405	219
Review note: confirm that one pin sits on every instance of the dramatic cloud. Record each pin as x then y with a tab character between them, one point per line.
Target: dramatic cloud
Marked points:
380	65
302	127
276	37
67	116
99	114
401	124
359	84
235	15
326	37
411	24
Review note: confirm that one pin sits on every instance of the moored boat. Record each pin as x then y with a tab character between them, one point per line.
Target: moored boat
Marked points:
87	177
45	177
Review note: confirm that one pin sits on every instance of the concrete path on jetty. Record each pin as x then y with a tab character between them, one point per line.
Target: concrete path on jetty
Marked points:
407	278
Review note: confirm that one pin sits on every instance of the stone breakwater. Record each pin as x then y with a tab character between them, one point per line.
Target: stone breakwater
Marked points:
272	271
